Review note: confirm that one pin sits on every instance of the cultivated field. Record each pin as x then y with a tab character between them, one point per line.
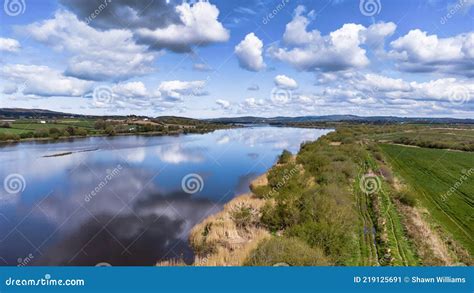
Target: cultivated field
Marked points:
444	183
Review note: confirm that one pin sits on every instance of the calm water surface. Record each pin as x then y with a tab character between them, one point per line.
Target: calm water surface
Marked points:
121	200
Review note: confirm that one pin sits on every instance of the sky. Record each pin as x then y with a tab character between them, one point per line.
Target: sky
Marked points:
207	59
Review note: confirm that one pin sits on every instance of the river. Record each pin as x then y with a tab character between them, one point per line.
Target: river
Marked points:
126	200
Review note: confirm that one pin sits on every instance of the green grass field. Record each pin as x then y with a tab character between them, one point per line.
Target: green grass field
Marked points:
21	126
432	173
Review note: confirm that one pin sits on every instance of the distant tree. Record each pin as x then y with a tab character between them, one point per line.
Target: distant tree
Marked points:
71	130
110	130
100	124
54	133
41	133
81	132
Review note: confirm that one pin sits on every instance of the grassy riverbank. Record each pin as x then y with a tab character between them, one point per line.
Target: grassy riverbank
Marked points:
56	129
349	199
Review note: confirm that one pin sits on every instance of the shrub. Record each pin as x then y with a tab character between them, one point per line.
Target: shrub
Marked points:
9	136
80	132
243	216
285	157
386	173
406	197
329	230
54	133
41	133
71	130
100	124
28	134
291	251
110	130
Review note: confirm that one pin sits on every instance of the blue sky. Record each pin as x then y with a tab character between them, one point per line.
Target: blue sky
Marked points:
235	58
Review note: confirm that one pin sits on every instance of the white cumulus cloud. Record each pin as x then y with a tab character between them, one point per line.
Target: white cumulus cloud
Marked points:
283	81
41	81
96	55
176	90
249	53
419	52
339	50
199	26
223	103
9	45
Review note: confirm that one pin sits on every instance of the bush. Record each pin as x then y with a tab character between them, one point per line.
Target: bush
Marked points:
283	214
28	134
100	124
9	136
41	133
291	251
54	133
80	132
110	130
406	197
243	216
329	229
285	157
386	173
70	130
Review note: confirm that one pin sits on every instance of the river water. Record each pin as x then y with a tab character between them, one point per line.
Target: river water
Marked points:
126	200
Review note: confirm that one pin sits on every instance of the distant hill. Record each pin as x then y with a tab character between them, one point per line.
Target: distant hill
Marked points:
33	113
340	118
16	113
